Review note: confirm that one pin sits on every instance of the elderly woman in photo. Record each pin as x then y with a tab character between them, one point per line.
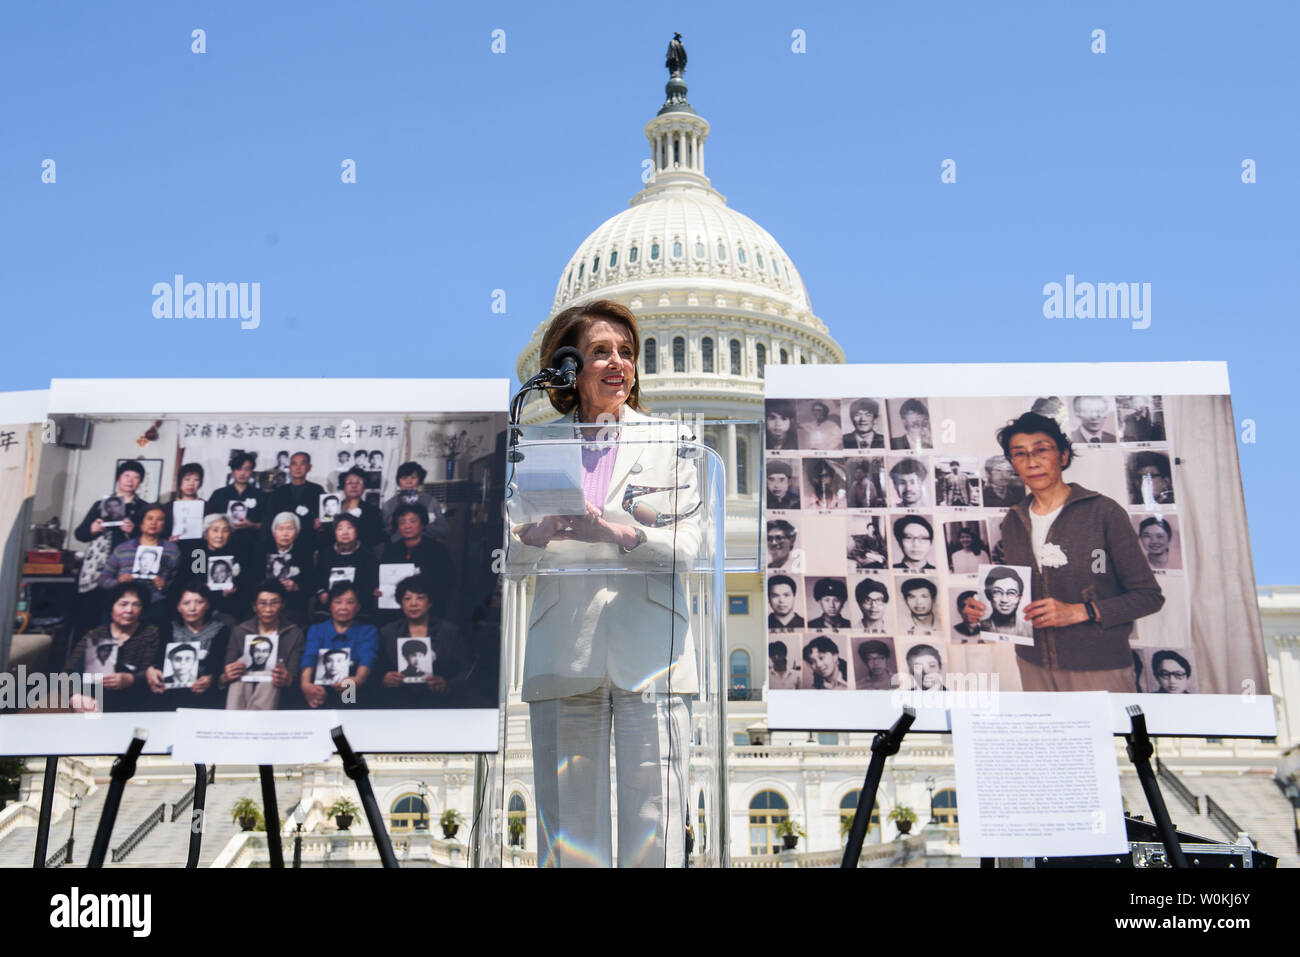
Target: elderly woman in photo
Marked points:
217	549
431	558
246	522
109	522
612	652
341	631
443	686
1090	579
137	644
288	560
347	552
194	627
267	622
154	520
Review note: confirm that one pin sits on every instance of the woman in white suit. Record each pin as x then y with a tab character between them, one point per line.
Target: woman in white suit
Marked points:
612	654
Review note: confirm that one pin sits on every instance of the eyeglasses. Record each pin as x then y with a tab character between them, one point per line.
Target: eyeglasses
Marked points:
648	515
1171	674
1020	456
777	539
1003	593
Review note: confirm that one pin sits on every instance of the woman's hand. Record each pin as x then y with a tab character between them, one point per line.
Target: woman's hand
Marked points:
128	526
96	526
234	671
392	679
159	582
436	683
592	527
1050	613
124	577
118	681
314	694
280	675
202	684
539	534
154	677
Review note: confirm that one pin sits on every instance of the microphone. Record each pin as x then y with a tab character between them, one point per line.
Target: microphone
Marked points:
566	364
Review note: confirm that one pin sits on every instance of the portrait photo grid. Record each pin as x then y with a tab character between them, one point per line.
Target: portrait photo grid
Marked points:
883	517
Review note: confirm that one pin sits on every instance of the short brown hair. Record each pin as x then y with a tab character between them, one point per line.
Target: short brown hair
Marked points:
566	329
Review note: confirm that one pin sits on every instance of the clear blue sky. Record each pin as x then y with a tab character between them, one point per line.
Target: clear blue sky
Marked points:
479	171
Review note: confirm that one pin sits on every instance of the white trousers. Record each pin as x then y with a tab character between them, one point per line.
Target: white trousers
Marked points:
571	778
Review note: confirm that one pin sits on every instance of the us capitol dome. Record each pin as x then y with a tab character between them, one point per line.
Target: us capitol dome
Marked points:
715	295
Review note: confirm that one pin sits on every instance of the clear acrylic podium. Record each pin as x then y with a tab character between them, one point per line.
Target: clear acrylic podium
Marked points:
612	693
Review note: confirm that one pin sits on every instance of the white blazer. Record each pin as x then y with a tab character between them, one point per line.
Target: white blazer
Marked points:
632	628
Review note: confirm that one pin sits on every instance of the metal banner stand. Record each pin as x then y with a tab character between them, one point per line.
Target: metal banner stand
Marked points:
1140	750
123	770
196	815
884	745
354	765
271	810
47	810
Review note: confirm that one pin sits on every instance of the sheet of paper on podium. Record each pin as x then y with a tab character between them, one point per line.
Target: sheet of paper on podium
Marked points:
1037	777
548	481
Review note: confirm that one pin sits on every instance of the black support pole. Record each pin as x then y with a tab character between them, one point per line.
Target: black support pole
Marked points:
197	822
354	765
1140	750
123	770
884	745
272	811
47	810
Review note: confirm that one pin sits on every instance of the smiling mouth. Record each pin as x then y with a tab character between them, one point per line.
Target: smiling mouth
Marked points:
616	380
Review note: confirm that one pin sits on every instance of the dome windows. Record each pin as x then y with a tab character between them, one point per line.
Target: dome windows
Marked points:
654	251
700	251
760	357
706	353
737	368
740	255
651	353
785	358
722	252
760	260
776	272
613	258
581	266
632	255
595	264
677	249
679	354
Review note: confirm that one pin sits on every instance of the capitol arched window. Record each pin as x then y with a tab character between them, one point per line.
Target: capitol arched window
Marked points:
722	252
775	270
650	351
679	354
517	819
706	353
595	265
737	367
677	249
632	255
739	690
654	252
581	267
760	260
699	250
767	809
740	255
945	807
785	358
409	811
760	357
613	258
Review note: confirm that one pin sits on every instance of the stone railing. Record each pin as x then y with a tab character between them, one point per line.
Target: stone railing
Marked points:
249	849
873	855
17	815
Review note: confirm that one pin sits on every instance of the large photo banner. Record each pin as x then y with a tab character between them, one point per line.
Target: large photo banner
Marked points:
268	553
941	535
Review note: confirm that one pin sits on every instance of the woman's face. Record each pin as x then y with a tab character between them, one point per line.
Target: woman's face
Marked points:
128	482
965	540
354	486
415	605
153	522
344	607
284	535
193	608
345	533
608	368
409	527
1155	540
824	663
190	485
126	610
217	535
409	483
916	541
